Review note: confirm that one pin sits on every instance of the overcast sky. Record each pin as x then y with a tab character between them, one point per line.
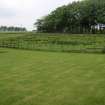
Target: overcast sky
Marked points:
25	12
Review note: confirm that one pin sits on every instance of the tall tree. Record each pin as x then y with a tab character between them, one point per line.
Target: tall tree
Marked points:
76	17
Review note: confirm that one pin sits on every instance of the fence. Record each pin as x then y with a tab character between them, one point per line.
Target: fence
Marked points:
31	43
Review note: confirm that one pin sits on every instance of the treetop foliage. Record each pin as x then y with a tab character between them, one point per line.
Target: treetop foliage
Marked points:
76	17
12	28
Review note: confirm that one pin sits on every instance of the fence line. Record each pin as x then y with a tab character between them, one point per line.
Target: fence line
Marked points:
55	46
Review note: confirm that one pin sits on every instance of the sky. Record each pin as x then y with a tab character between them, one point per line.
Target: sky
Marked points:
24	13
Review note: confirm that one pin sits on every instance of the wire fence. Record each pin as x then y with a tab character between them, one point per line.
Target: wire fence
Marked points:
52	44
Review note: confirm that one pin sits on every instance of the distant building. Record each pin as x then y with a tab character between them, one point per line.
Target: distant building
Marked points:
34	30
99	26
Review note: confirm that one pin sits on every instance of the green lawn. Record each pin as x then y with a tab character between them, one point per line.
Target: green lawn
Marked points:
12	34
49	78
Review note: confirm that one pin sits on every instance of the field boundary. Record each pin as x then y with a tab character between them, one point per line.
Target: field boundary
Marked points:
53	43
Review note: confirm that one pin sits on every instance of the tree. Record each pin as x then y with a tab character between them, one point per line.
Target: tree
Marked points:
12	29
77	17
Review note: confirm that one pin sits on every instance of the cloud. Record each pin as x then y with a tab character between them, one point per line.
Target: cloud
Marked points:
25	12
7	13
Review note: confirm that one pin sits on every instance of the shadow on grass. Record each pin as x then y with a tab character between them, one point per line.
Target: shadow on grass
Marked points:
3	52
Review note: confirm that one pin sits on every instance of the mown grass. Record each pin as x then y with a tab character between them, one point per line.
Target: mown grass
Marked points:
48	78
12	34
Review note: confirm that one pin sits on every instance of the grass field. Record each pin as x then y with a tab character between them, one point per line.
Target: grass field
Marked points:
49	78
11	34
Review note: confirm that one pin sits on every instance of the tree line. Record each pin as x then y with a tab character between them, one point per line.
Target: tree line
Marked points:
76	17
12	29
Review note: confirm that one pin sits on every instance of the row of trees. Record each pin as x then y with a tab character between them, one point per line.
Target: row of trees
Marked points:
12	29
76	17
